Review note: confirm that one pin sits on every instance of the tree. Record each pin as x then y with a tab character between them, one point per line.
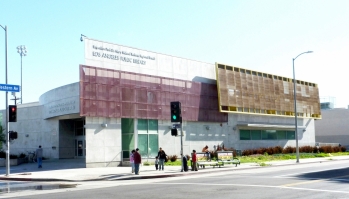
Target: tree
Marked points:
2	136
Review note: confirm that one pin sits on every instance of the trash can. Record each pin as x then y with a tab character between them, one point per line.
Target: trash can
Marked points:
185	163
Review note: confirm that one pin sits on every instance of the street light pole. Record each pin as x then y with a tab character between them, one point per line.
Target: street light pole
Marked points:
6	108
295	105
22	52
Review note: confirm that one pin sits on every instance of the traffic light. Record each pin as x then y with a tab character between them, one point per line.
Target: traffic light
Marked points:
13	135
176	115
12	109
174	132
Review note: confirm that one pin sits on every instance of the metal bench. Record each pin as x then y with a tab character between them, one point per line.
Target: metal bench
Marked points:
203	160
227	157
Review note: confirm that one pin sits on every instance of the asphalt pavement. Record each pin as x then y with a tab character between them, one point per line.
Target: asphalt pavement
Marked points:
74	170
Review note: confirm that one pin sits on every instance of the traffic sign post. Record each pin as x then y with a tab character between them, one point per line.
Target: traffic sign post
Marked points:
9	88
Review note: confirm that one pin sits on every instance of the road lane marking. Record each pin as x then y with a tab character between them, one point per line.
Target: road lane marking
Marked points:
299	173
314	181
261	186
304	182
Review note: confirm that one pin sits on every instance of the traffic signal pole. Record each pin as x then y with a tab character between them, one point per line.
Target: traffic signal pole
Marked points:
182	147
176	116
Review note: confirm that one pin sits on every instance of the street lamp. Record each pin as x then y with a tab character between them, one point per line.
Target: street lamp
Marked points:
22	52
6	108
295	105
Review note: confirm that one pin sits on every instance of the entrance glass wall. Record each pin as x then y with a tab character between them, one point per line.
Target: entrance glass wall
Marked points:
128	138
80	142
148	137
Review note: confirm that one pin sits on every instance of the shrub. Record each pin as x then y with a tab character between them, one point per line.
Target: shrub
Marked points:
269	150
325	149
277	149
343	149
289	149
146	163
259	151
13	156
22	155
336	149
173	158
307	149
247	152
2	154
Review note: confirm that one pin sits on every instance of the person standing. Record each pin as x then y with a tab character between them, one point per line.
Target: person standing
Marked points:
156	162
162	157
137	161
194	161
132	161
39	152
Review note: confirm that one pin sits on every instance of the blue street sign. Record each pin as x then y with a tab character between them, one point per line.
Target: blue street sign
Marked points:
9	88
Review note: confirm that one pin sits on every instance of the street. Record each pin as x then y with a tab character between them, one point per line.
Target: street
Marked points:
314	180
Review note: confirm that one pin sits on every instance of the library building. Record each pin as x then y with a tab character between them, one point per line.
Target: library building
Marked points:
121	101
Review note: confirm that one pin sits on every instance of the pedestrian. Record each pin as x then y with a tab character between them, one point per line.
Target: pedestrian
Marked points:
132	160
39	152
156	162
137	161
208	155
162	157
194	161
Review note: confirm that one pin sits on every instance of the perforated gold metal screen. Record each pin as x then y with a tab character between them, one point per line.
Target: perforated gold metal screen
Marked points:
252	92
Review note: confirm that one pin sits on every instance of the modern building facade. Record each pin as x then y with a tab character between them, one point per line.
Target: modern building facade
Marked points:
333	129
122	102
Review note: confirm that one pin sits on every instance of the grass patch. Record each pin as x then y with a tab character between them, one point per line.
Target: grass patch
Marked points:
263	164
146	163
261	159
291	156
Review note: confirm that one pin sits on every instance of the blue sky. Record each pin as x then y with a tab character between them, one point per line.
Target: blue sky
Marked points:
262	35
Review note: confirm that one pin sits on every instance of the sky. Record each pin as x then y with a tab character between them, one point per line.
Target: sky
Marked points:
261	35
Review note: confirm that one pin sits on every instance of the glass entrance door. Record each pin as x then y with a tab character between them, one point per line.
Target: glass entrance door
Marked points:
80	148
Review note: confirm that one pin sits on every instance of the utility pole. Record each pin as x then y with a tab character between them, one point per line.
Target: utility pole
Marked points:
6	102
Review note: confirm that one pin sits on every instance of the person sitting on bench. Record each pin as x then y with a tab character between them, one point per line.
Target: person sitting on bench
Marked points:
205	150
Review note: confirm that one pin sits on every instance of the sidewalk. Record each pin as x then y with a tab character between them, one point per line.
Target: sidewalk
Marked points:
73	170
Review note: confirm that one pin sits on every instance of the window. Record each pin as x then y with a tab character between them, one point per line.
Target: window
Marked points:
148	137
291	135
269	135
266	135
245	135
127	132
281	135
256	135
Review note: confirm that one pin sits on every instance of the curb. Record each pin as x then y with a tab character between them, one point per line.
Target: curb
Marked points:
137	177
35	179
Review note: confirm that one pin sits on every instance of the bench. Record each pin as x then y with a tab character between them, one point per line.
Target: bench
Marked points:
203	160
227	157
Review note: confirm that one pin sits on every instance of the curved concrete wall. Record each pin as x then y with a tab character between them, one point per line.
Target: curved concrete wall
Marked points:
60	101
